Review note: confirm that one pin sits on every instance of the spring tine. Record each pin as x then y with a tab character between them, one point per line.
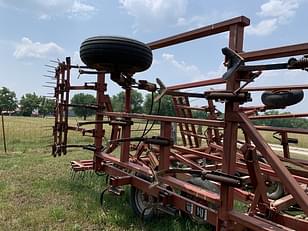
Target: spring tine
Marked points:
73	174
46	126
102	196
54	61
50	82
50	76
50	97
51	71
43	137
47	130
48	86
46	65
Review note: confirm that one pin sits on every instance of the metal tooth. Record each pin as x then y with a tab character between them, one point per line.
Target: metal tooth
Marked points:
54	61
51	71
46	65
49	136
50	97
50	82
102	197
46	129
50	77
48	86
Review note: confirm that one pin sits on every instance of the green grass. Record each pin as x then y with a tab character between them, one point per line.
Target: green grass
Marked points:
24	134
38	192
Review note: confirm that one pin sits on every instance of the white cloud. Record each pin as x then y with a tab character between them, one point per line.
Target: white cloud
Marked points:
274	14
76	58
280	9
80	8
28	49
192	70
265	27
45	9
197	21
194	22
149	14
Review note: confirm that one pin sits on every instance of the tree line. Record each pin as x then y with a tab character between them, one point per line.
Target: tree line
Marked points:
139	104
30	103
285	122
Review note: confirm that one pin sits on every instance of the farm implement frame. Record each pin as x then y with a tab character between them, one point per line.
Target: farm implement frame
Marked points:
207	173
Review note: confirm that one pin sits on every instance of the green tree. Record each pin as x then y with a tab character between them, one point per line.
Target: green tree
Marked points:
83	99
165	108
8	100
199	114
286	122
46	106
28	103
117	101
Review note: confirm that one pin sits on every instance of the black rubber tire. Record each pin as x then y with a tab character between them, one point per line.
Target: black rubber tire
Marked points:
282	99
116	54
138	205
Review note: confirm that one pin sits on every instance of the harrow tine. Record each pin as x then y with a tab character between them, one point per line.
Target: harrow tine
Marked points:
50	97
50	76
46	129
46	65
43	137
102	197
54	61
47	86
73	174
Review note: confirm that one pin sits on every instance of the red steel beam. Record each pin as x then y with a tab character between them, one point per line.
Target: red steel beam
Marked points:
275	88
202	83
199	33
280	116
255	223
277	52
276	129
212	123
282	172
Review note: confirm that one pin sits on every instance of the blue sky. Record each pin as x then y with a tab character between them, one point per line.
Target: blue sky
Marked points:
32	32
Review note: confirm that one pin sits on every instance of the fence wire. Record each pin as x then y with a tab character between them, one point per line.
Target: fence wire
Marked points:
25	133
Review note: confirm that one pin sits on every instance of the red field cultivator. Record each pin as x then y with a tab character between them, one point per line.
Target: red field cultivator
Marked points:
213	167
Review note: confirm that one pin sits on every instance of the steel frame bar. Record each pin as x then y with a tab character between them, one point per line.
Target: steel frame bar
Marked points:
284	175
277	52
199	33
212	123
